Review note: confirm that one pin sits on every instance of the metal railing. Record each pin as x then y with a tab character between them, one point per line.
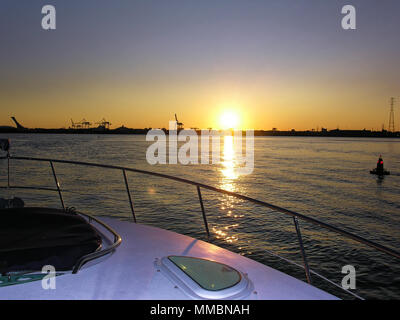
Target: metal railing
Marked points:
97	254
296	216
88	257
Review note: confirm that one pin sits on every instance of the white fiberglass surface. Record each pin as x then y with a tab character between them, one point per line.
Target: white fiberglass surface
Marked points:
130	274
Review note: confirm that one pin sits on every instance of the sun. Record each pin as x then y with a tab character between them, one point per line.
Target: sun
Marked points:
229	120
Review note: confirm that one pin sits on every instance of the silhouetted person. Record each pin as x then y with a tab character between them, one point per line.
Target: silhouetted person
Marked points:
379	166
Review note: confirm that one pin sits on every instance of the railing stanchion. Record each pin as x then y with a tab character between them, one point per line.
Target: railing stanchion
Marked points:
129	196
203	212
8	169
303	253
57	184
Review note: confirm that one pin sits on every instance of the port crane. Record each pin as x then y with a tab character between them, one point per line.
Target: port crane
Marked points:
83	124
178	124
19	126
74	125
104	124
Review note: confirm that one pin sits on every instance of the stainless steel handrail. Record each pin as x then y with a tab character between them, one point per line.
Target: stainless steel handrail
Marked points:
101	253
198	185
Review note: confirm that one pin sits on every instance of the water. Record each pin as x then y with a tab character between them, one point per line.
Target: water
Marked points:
325	178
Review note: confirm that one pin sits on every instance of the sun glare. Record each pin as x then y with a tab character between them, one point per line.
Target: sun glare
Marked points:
229	120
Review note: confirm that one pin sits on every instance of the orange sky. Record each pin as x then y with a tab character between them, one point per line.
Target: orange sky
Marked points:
275	64
259	105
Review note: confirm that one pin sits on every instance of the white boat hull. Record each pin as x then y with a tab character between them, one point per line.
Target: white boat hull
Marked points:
130	272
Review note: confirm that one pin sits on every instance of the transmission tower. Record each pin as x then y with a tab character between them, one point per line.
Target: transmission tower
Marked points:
391	117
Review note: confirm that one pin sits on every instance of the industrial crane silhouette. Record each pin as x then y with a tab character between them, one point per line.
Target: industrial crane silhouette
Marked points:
178	124
75	125
83	124
19	126
104	124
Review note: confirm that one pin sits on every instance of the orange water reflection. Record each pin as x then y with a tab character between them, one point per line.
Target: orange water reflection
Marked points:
228	164
225	230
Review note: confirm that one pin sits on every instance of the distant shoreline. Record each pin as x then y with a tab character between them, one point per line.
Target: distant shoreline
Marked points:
292	133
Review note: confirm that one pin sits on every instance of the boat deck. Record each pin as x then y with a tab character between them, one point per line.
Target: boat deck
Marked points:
130	273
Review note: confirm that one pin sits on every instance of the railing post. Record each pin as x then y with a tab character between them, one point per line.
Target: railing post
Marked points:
8	169
303	253
129	195
203	212
57	184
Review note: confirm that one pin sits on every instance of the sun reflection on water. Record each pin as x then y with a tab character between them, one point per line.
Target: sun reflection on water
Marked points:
228	163
229	218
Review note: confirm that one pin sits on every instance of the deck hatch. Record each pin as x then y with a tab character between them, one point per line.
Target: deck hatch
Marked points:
209	275
202	278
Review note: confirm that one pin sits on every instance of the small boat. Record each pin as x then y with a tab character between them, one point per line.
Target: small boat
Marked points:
384	173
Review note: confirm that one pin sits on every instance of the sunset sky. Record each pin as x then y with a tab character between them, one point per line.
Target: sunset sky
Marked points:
285	64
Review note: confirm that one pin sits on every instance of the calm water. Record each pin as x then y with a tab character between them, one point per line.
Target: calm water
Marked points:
326	178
